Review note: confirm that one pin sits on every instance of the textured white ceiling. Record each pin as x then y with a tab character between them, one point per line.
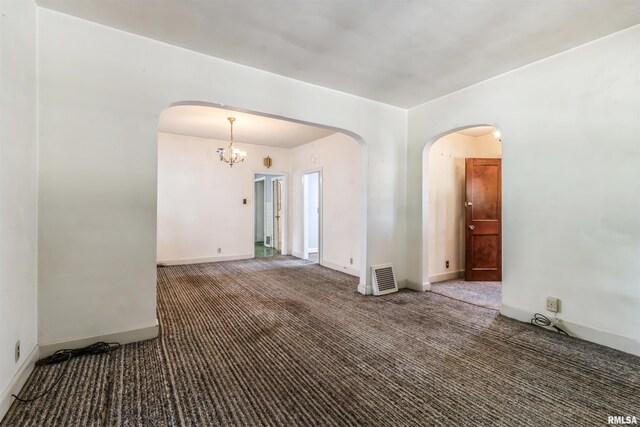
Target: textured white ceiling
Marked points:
210	122
399	52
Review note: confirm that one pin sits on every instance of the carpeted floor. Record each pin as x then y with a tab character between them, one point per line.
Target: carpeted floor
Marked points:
283	342
483	294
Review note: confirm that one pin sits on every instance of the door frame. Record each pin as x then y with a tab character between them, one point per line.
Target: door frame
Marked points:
255	181
285	209
305	248
279	230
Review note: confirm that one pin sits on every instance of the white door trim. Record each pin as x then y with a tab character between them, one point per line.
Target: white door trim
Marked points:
305	245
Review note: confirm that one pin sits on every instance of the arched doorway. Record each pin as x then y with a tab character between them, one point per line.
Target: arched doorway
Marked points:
290	162
462	230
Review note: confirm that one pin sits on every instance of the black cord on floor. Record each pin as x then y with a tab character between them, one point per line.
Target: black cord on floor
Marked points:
544	321
65	355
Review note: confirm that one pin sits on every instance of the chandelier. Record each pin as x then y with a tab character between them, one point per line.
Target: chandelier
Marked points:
231	155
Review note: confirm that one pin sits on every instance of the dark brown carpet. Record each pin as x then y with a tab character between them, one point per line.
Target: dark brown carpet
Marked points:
283	342
484	294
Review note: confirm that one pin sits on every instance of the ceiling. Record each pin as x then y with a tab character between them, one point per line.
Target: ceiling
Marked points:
401	53
209	122
477	131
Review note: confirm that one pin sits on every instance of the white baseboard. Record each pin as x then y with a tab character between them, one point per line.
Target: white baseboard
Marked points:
124	337
343	268
420	287
587	333
18	381
185	261
364	289
441	277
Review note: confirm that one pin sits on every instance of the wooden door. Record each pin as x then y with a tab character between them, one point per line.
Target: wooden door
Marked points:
483	225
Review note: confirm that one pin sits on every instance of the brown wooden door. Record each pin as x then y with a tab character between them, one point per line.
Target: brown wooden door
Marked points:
483	225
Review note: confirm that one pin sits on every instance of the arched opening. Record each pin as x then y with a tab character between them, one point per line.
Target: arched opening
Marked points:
462	215
209	211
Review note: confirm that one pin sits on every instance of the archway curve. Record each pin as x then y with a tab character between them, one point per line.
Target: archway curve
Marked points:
353	135
424	170
362	286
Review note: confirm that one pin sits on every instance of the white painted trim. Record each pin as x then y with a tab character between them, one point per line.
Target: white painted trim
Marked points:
342	268
320	215
587	333
123	337
184	261
18	381
364	289
419	287
441	277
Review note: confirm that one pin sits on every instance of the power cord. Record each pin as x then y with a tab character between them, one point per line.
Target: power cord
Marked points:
65	355
544	321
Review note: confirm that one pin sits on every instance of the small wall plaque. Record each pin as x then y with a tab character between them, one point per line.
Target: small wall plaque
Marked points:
267	162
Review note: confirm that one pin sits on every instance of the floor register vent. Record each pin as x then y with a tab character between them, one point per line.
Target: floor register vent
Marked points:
383	279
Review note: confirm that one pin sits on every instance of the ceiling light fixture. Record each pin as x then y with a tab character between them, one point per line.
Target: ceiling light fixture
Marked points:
497	135
234	155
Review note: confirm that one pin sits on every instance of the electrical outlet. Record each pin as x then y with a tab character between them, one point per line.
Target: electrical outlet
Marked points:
17	354
553	304
219	250
351	261
446	263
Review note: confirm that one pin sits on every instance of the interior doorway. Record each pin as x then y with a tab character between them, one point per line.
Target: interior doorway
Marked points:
269	215
202	231
463	215
312	215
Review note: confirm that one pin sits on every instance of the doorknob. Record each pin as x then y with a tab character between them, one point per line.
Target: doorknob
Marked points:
471	227
467	204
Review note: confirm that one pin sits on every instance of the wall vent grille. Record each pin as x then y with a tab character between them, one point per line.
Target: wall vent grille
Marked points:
383	279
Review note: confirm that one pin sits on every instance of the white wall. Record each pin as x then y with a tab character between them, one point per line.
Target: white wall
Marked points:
18	191
200	199
446	186
571	198
100	95
340	157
